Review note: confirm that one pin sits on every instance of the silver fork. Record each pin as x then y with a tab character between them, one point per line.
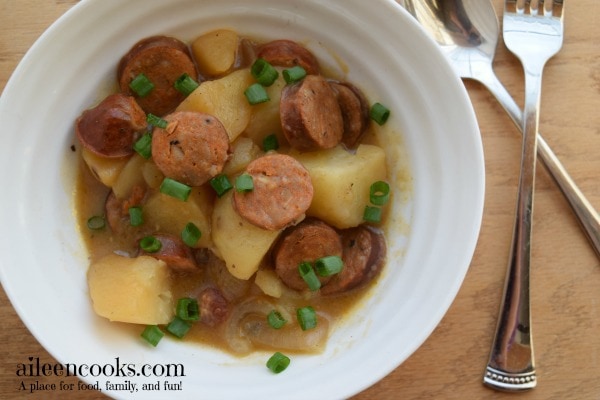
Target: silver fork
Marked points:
533	31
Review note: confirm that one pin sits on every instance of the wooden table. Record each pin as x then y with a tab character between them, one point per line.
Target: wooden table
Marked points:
566	272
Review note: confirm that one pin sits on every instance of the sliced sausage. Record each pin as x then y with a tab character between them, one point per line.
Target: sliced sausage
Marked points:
192	149
117	211
111	128
174	252
311	118
287	53
355	112
163	60
282	192
306	242
214	307
364	252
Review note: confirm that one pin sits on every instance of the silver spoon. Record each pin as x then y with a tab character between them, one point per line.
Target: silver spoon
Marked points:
467	32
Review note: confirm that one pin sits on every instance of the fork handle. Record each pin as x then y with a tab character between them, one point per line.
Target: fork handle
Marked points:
587	216
511	364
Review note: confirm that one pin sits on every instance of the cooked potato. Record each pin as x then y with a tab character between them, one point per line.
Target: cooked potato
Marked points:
342	181
265	118
268	281
170	215
215	51
131	175
105	169
244	150
134	290
223	98
239	243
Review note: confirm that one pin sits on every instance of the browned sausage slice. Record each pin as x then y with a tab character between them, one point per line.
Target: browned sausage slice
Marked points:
111	128
163	60
308	241
282	192
192	149
174	252
214	307
287	53
364	252
355	112
117	211
311	118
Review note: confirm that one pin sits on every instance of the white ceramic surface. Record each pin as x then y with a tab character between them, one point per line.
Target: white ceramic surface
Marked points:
42	259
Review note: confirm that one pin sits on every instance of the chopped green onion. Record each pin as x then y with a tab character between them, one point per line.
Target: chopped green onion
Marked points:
96	222
276	320
244	183
179	327
379	193
294	74
156	121
135	216
188	309
270	143
263	72
329	265
379	113
278	362
221	184
150	244
256	94
372	214
185	84
152	334
175	189
141	85
308	274
307	317
191	234
144	145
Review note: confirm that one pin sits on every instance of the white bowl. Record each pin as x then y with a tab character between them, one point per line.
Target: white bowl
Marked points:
437	214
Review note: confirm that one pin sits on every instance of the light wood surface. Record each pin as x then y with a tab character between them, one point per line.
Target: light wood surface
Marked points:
566	273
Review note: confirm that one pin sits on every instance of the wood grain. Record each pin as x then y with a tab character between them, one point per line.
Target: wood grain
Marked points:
566	273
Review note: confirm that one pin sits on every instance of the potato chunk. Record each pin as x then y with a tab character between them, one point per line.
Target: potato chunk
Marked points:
265	118
105	169
341	182
215	51
224	99
131	175
239	243
244	150
134	290
170	215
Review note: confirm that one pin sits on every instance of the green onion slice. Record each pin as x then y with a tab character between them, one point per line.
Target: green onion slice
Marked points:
191	234
185	84
244	183
135	216
372	214
263	72
276	320
96	222
270	143
156	121
278	362
256	94
294	74
188	309
308	274
329	265
379	193
379	113
141	85
307	317
150	244
179	327
152	334
221	184
175	189
144	145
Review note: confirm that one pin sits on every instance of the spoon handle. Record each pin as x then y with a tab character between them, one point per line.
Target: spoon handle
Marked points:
587	216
